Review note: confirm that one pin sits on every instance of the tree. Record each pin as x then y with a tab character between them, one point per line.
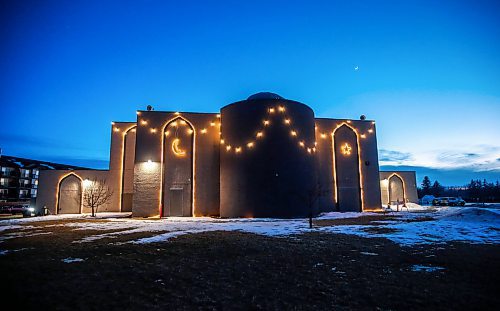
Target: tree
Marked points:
426	185
436	189
96	193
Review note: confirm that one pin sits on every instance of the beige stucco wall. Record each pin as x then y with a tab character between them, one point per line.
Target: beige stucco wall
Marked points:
48	188
116	154
147	176
368	161
410	185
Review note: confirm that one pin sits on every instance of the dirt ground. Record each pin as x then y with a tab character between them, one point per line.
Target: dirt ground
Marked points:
232	270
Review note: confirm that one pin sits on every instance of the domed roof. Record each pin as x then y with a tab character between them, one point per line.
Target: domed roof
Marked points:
264	95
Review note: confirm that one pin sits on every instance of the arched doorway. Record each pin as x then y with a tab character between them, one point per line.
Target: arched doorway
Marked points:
128	169
178	155
69	198
396	189
348	192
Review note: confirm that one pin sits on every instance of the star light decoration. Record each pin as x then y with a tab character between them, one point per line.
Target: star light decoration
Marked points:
272	111
346	149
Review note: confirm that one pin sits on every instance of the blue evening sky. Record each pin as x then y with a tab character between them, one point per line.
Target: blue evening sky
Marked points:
428	72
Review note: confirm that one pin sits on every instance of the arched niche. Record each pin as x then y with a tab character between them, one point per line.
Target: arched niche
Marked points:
69	196
346	164
396	189
127	182
178	168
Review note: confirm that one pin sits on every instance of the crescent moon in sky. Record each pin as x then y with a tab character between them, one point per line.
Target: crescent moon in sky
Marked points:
175	148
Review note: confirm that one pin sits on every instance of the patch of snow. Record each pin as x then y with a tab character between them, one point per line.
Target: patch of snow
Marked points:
422	268
70	260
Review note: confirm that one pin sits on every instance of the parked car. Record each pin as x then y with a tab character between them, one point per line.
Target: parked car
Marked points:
26	210
448	201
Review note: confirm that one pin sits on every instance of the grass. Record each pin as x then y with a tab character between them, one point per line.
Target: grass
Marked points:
233	270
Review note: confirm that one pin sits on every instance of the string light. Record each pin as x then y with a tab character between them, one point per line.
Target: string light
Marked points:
167	133
348	121
266	122
323	135
144	122
138	113
301	143
116	129
260	134
212	123
250	145
287	121
218	115
182	122
203	131
152	130
228	147
222	141
174	123
293	133
362	136
112	123
281	108
370	131
237	149
271	110
189	131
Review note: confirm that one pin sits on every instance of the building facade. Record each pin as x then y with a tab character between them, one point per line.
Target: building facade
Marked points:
265	156
19	177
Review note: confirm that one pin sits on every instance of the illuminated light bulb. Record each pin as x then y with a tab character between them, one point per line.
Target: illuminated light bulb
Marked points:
370	131
271	110
167	133
177	113
212	123
250	145
260	134
281	108
373	122
293	133
287	121
301	143
228	147
348	121
203	131
266	122
315	143
116	129
237	149
112	123
152	130
189	131
222	141
182	122
144	122
174	123
309	150
323	135
218	115
314	149
133	130
363	136
138	113
315	127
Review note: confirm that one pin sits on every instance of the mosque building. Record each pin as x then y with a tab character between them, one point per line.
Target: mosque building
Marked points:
265	156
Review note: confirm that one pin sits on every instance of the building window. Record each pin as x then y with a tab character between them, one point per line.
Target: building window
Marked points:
36	172
25	173
4	182
23	193
33	193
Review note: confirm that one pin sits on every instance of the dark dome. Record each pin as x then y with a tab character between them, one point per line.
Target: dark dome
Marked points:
264	95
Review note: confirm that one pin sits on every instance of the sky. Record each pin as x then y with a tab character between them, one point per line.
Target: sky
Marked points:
428	72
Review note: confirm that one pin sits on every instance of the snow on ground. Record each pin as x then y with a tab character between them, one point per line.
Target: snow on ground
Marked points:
71	260
468	224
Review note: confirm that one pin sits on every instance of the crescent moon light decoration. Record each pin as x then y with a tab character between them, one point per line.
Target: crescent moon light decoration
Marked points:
176	149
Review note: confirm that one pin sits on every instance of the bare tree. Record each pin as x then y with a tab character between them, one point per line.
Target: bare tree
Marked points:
96	193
